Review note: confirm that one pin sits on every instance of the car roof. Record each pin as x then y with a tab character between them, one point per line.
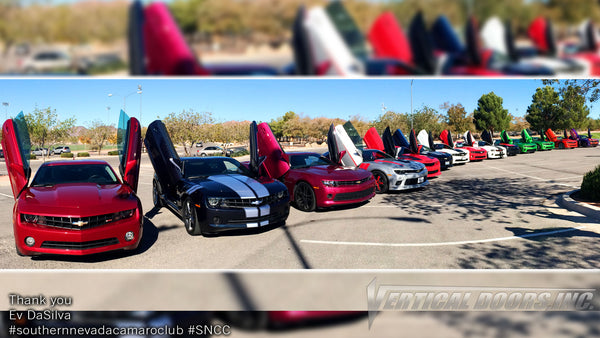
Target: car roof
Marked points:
74	162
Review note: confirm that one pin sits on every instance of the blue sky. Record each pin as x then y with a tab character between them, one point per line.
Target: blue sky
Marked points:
254	99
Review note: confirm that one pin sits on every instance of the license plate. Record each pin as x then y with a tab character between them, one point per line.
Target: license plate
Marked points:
421	180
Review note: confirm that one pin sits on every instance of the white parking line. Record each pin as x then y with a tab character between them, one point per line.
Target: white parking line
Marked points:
538	234
535	177
5	195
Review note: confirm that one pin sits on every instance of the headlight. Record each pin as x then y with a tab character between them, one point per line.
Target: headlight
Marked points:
399	171
30	218
214	202
329	183
117	216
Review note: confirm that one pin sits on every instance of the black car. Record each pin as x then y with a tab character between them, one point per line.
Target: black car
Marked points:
212	194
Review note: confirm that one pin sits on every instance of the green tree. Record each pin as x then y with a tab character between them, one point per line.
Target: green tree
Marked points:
457	119
45	129
393	120
99	133
545	111
188	127
427	118
490	114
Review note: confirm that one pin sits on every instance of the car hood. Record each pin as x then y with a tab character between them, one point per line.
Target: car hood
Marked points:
335	172
77	199
401	164
235	186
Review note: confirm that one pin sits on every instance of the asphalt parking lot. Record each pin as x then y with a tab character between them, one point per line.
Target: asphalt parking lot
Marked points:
492	214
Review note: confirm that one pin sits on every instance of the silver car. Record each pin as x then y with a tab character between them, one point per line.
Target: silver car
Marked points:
392	174
60	150
210	151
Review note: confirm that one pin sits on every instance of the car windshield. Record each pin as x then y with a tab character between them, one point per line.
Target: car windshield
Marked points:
203	167
372	155
74	173
307	160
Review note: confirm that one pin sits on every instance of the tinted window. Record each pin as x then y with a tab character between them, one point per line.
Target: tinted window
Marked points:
372	155
213	166
74	173
307	160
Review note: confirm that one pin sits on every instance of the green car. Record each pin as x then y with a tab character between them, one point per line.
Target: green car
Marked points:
523	146
539	142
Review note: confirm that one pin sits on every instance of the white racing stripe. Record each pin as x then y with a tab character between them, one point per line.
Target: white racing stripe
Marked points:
238	186
258	187
265	210
538	234
251	212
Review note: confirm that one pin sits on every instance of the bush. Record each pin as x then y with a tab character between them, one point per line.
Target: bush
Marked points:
113	152
32	157
69	155
83	154
240	153
590	187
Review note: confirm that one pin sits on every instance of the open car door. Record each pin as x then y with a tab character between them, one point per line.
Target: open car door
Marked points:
165	160
470	140
16	146
425	138
347	28
551	135
414	147
330	53
256	160
373	140
354	135
135	39
526	137
129	144
388	142
504	137
446	138
487	137
165	48
400	140
348	154
276	162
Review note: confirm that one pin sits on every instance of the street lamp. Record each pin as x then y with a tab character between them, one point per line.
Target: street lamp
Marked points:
138	91
411	106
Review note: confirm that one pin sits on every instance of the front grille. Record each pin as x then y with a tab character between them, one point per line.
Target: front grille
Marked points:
430	164
407	171
80	245
249	202
347	196
271	217
413	181
356	182
79	223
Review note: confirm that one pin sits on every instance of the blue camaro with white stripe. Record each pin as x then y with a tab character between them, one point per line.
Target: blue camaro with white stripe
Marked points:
212	194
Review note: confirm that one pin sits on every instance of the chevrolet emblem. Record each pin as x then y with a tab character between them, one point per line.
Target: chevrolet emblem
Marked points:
80	223
256	202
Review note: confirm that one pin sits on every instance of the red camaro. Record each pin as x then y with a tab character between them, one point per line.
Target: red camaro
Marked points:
313	181
74	207
475	154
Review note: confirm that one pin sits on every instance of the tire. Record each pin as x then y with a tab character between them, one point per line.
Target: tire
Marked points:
381	182
203	155
304	197
190	219
561	145
156	191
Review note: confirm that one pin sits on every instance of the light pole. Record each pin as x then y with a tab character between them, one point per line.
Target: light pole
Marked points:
138	91
411	106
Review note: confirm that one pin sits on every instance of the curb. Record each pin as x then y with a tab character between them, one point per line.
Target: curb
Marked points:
568	203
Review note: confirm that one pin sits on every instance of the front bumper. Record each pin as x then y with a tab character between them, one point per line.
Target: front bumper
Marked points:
341	195
408	181
527	149
215	220
545	145
60	241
